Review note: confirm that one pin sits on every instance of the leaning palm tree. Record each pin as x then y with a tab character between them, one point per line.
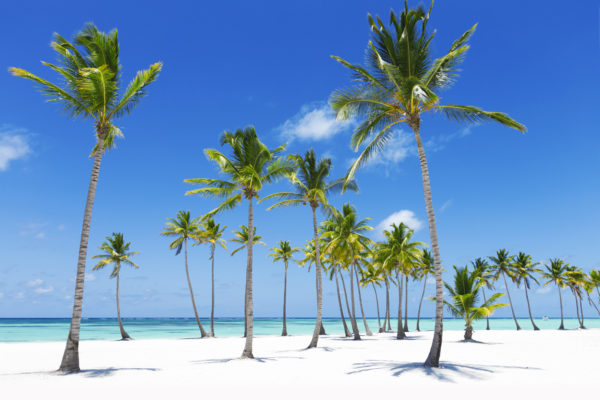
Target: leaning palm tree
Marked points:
593	283
284	253
397	86
465	298
576	281
372	275
311	187
425	268
502	265
212	233
556	273
524	270
485	275
116	251
90	72
250	166
183	228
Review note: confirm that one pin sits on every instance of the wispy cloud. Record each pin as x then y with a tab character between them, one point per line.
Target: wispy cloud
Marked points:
313	122
13	145
34	282
43	290
405	216
543	290
34	230
445	206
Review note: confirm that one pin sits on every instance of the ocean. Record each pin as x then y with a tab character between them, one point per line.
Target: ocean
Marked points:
56	329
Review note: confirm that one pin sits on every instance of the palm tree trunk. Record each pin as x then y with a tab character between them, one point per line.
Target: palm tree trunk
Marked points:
421	302
510	301
249	314
469	332
354	324
387	306
591	301
212	303
124	335
400	333
377	303
337	286
187	273
322	330
406	305
319	322
362	311
562	324
352	320
487	318
582	326
535	328
284	331
433	359
70	360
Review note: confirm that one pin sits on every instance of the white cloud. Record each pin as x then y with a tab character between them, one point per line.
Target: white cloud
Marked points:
61	227
34	283
313	122
34	230
43	290
13	145
445	206
543	290
405	216
90	277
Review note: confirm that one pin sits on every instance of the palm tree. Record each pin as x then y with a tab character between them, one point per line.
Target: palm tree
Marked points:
503	266
556	273
250	166
575	282
183	228
311	188
399	255
524	270
593	283
373	276
310	258
116	251
425	269
360	257
397	86
212	233
344	237
485	275
465	297
242	237
91	87
284	252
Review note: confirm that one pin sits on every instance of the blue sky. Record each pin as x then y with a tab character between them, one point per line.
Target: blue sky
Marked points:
230	65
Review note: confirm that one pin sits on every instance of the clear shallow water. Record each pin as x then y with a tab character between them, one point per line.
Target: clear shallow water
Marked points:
56	329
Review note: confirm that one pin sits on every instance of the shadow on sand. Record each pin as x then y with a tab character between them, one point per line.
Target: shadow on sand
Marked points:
257	359
88	373
446	373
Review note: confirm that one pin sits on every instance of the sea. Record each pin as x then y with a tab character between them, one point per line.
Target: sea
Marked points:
56	329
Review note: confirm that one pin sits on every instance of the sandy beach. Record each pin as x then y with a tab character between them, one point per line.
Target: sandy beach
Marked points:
500	364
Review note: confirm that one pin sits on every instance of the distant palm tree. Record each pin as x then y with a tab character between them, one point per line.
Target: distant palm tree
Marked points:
284	252
116	251
398	86
91	85
485	275
310	258
311	187
502	266
212	233
425	268
183	228
361	258
593	283
250	166
556	273
242	237
524	270
465	299
575	282
373	276
399	254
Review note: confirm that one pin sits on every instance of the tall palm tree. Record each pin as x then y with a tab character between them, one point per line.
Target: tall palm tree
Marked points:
311	187
400	254
212	233
116	251
425	268
91	88
360	258
485	275
502	266
284	253
310	258
556	273
344	237
593	283
575	282
250	166
398	85
465	299
373	276
524	270
183	228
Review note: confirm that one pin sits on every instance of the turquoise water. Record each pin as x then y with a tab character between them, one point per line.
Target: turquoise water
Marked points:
56	329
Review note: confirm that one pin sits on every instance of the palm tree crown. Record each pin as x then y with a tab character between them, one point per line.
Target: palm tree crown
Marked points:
283	252
242	236
211	232
116	251
182	227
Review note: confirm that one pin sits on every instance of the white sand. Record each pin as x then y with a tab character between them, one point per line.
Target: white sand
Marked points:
506	364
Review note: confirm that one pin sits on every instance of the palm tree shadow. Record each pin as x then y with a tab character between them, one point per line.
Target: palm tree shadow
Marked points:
257	359
103	372
446	373
476	342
